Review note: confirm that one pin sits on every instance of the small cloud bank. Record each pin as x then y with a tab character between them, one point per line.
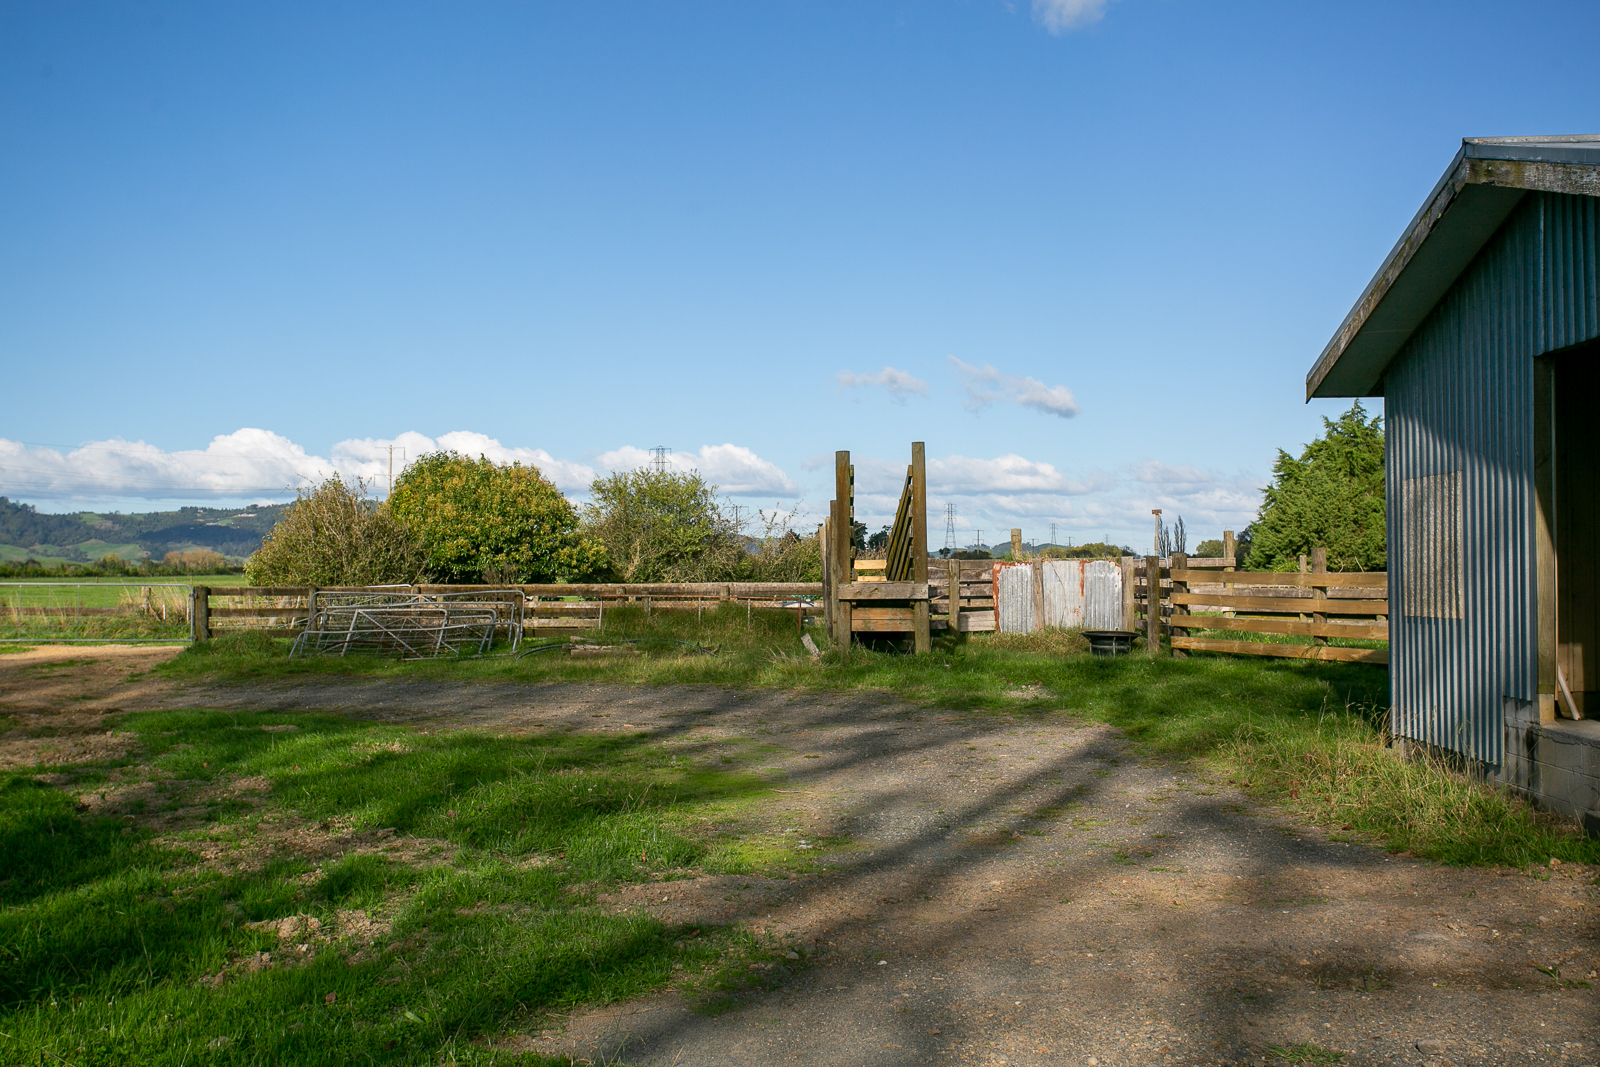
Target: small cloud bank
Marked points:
254	464
1064	16
243	464
985	386
733	469
993	495
898	384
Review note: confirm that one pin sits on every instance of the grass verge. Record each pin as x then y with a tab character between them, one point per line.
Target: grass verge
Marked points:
308	889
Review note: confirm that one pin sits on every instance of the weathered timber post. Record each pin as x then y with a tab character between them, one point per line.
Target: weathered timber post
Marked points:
1152	604
1229	548
1016	544
1304	568
200	613
1129	620
955	595
1037	566
1180	565
1319	593
829	593
922	635
843	529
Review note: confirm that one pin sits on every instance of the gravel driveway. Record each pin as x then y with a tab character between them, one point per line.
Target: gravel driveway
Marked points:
1028	889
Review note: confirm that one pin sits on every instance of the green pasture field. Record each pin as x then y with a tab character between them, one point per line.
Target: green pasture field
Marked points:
43	609
94	549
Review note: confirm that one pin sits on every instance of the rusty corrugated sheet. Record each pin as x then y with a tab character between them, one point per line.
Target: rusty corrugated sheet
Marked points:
1459	406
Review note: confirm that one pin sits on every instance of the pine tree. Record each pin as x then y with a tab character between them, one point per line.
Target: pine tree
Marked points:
1332	496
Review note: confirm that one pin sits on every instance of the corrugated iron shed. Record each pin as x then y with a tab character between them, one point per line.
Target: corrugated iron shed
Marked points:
1495	276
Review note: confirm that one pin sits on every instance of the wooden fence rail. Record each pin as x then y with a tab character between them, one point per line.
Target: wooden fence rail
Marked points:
282	611
1316	603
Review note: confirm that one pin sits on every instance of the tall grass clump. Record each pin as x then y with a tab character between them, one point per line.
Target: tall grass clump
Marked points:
334	534
1339	770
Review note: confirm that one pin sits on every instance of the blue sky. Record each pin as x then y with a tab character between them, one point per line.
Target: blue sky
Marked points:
1086	251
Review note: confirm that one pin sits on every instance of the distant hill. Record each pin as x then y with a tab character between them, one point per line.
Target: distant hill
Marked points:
85	536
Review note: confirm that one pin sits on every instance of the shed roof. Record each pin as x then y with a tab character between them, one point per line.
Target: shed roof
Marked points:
1479	189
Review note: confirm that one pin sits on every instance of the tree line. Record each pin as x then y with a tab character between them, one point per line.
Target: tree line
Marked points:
452	519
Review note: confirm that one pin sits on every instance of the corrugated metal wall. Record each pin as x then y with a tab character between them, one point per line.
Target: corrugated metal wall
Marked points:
1077	593
1459	398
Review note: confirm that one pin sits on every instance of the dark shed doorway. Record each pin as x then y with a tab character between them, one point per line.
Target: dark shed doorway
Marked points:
1574	377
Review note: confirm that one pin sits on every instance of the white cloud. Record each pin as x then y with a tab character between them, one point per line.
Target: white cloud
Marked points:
898	384
985	385
733	469
368	457
245	463
259	464
996	494
1064	16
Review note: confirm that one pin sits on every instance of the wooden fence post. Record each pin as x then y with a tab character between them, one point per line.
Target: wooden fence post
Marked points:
200	614
828	597
954	569
1037	566
1229	548
1016	544
843	529
1152	604
1129	622
1180	562
1319	565
922	638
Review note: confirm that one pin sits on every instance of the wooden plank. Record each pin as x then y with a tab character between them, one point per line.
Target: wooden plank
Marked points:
1378	631
1287	605
1180	565
1210	562
977	621
896	626
882	611
919	542
884	591
617	590
1262	648
953	596
561	624
1319	565
870	564
200	614
1152	605
1127	594
1037	566
223	592
1544	528
1343	580
258	613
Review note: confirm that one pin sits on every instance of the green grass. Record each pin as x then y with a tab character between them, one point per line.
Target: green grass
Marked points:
1308	736
442	887
42	609
1306	1052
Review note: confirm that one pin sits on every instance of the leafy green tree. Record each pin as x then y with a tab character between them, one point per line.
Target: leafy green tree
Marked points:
663	526
333	534
480	521
1208	549
1332	497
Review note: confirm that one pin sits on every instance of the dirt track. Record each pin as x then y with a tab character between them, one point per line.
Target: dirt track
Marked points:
1023	890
